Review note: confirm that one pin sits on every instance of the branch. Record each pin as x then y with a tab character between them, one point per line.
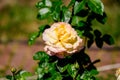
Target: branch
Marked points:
109	67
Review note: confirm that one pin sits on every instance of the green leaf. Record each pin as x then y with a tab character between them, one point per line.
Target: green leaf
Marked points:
44	13
91	17
47	3
56	9
80	33
46	71
9	77
40	73
97	33
72	70
83	13
88	34
82	24
98	39
102	18
75	21
108	39
56	13
88	75
62	69
66	14
94	72
99	42
89	43
79	6
44	3
33	37
25	74
96	6
40	55
82	58
78	21
39	4
56	3
78	77
42	28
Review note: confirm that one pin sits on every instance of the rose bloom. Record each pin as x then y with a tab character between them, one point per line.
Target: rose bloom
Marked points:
61	40
118	74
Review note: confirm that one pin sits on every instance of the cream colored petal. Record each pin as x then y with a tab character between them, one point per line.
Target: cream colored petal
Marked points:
67	45
49	36
78	43
118	78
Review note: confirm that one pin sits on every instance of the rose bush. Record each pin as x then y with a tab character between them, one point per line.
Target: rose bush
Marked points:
67	57
61	40
64	53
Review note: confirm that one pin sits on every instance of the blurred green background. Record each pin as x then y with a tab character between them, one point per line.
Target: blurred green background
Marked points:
18	20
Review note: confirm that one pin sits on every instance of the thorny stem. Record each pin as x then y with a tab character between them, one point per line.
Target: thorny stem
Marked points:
72	12
85	42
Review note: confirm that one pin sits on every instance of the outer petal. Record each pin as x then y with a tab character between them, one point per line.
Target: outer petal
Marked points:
50	36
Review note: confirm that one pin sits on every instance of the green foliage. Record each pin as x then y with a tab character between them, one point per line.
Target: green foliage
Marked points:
79	6
32	38
96	6
18	75
78	66
66	14
42	56
101	18
89	75
99	39
43	13
108	39
35	35
46	70
15	21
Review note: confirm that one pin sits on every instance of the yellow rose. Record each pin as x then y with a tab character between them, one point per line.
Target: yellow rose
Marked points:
61	40
118	74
